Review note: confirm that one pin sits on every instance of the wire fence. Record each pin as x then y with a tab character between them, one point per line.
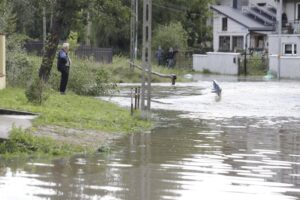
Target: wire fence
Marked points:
102	55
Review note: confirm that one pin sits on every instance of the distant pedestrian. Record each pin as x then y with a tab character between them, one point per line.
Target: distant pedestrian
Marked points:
159	55
170	58
63	66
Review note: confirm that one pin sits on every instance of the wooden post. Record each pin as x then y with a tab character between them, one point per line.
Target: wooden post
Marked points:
2	62
135	98
138	97
131	97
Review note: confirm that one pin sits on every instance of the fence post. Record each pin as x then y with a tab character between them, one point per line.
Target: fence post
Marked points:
2	62
131	97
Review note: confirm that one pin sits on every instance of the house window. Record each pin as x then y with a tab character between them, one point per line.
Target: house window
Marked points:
298	11
224	43
237	43
224	24
289	49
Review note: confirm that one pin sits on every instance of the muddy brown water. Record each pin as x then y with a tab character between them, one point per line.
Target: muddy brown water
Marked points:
245	145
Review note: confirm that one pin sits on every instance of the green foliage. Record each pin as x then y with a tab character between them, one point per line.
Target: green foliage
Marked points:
23	142
206	71
73	40
110	24
256	65
19	68
195	23
172	35
7	18
103	83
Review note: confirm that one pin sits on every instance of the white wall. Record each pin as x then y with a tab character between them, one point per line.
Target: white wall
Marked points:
285	39
217	62
289	66
234	29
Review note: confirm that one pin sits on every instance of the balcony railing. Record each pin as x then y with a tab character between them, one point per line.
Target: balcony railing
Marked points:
291	27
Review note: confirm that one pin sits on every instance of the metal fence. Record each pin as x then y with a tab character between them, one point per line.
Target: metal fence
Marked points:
103	55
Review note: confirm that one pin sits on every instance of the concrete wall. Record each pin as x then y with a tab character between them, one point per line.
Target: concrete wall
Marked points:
289	66
217	62
2	62
234	29
285	39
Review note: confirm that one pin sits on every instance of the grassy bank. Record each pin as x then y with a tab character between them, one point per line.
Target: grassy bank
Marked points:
74	112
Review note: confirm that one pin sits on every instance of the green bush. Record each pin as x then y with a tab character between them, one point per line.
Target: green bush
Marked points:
19	68
37	91
256	65
172	35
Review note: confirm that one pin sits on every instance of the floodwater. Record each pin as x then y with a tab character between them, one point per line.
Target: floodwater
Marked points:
242	146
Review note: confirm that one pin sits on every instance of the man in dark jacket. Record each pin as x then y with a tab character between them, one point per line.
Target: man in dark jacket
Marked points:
63	66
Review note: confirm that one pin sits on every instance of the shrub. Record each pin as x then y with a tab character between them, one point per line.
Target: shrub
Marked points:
37	91
19	68
172	35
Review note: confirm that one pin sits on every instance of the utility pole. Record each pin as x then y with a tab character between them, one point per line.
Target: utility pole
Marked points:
146	59
44	28
279	30
133	31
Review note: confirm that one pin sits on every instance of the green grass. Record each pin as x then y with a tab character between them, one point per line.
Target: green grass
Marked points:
68	111
73	111
23	143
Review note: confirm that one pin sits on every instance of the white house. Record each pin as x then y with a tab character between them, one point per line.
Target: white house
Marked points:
240	25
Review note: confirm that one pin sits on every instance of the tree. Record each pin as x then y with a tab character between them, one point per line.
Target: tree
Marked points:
172	35
65	15
7	18
110	24
196	23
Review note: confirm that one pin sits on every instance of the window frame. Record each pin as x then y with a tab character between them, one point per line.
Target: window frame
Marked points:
235	39
293	50
227	40
224	23
298	11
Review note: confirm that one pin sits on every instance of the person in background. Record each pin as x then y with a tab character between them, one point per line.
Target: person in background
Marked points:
170	58
63	66
159	55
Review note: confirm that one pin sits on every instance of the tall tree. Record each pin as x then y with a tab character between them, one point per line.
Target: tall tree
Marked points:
65	15
7	18
195	23
110	23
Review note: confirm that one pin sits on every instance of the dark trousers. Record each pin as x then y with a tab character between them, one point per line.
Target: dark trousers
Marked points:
64	80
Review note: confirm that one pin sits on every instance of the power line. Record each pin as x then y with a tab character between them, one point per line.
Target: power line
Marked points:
181	10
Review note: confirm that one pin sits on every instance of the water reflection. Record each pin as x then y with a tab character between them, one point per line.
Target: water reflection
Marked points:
249	154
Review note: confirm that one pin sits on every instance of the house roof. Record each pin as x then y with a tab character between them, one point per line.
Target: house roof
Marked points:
239	17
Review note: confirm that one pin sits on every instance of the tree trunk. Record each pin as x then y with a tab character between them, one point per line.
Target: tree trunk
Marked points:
50	50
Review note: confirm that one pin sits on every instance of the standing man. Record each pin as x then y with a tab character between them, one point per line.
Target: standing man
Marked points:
170	58
63	66
159	55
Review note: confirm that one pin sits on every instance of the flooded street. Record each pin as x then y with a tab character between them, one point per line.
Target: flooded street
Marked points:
242	146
